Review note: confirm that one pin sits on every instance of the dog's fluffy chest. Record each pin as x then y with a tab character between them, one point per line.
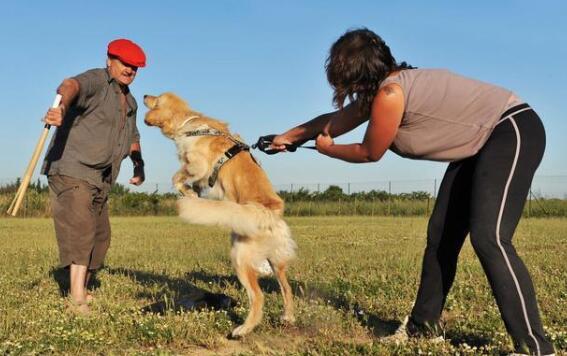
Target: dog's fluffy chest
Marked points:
185	144
196	161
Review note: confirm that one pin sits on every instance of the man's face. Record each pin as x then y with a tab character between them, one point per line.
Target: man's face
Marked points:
120	71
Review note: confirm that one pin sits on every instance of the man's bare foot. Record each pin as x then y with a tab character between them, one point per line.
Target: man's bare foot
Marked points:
89	298
77	308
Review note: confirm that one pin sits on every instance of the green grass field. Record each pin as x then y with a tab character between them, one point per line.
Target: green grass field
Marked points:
354	280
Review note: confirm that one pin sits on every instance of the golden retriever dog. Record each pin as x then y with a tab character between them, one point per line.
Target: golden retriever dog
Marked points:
245	200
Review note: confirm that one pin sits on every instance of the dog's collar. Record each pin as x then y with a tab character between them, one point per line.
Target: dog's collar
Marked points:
238	147
187	120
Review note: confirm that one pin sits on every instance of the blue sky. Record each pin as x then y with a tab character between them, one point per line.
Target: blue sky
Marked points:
259	66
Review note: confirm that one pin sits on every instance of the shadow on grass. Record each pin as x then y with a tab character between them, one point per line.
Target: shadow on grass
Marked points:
191	297
187	295
61	277
378	326
458	338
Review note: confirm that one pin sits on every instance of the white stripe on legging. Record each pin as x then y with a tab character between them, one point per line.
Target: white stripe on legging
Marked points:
518	142
512	114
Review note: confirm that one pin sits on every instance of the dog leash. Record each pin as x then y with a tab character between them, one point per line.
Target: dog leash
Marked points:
264	143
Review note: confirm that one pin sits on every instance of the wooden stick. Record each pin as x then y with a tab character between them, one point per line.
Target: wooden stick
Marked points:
15	205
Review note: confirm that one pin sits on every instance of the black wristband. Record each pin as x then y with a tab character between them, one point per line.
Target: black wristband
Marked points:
136	157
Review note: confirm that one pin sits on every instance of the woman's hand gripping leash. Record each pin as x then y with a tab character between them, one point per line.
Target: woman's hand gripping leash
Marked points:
272	144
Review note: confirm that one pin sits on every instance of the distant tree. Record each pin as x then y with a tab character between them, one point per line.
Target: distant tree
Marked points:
119	189
302	194
10	188
334	192
39	187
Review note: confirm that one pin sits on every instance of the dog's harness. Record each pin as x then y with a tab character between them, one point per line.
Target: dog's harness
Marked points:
238	147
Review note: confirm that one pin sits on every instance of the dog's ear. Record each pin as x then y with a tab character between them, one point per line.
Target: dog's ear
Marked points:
169	127
175	102
173	118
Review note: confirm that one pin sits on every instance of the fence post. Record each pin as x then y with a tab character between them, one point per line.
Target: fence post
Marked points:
348	188
389	197
355	206
291	188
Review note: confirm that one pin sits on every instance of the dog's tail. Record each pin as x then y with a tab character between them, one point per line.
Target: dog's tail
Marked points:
251	220
243	219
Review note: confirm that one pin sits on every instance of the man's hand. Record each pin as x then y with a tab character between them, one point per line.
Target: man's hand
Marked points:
136	180
139	175
54	116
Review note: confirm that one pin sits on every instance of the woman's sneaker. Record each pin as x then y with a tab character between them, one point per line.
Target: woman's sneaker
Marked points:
411	329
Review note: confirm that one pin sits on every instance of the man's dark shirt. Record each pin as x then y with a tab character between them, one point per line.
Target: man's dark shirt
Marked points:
95	136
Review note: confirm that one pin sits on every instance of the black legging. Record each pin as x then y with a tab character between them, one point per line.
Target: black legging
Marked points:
484	195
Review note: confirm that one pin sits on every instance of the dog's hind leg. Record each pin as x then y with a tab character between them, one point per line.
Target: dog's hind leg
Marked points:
248	276
280	272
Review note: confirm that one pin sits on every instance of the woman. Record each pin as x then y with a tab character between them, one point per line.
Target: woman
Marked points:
494	143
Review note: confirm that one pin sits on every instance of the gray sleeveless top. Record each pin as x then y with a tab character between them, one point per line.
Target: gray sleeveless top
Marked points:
447	117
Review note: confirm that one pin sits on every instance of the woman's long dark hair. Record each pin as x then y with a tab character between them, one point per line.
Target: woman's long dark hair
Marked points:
358	62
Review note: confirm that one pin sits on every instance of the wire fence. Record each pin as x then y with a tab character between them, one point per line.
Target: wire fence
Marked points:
543	187
547	197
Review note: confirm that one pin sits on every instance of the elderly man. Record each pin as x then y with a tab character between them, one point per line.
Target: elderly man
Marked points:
96	130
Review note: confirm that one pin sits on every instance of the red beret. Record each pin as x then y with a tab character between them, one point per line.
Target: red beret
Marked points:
128	52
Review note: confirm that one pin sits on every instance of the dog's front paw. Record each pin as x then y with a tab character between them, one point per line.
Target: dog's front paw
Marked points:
186	191
189	193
